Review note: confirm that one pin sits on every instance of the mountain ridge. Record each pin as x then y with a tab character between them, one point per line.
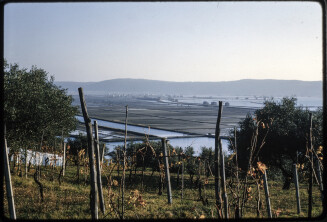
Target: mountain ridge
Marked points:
248	87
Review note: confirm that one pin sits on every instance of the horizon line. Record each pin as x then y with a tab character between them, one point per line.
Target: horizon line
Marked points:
190	81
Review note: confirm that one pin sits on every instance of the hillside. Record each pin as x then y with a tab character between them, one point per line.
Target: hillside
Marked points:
246	87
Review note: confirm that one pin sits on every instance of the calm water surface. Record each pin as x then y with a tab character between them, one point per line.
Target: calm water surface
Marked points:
138	129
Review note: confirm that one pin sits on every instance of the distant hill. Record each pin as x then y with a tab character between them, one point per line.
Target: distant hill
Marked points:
245	87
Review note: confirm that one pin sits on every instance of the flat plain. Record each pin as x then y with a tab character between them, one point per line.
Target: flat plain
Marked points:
193	119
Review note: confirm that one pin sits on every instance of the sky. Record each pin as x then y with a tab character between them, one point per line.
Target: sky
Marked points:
171	41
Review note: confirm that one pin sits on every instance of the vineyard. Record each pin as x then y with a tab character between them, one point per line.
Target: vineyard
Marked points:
69	199
154	180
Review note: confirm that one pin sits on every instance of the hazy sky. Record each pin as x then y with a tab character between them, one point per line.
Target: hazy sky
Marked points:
190	41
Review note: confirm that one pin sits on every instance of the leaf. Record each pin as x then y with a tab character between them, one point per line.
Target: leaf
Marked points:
231	156
262	167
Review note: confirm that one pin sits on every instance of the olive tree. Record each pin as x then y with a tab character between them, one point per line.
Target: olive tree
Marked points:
35	109
283	135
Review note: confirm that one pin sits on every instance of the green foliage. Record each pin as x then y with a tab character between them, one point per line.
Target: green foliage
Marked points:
286	127
190	165
207	154
33	104
77	144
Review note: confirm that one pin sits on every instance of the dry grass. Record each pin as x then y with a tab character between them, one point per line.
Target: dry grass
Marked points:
71	200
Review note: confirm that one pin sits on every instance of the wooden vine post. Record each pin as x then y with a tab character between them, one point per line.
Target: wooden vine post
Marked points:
310	168
319	177
216	161
97	158
223	179
182	194
179	166
40	161
6	168
124	167
164	147
160	177
265	183
296	183
103	150
90	144
26	163
237	211
64	160
199	180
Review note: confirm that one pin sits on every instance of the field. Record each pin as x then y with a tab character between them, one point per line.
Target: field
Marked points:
70	200
195	119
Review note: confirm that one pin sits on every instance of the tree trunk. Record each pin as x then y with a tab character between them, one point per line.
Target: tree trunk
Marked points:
287	177
39	184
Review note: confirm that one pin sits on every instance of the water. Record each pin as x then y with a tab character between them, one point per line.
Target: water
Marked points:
311	103
196	142
233	101
137	129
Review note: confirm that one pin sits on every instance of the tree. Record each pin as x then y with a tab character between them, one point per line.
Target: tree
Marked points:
35	108
283	133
